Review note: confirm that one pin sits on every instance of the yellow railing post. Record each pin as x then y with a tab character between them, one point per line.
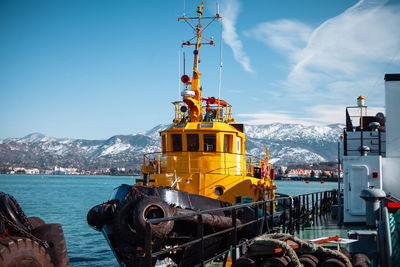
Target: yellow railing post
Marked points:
158	163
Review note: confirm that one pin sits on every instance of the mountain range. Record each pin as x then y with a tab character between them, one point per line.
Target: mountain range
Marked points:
288	144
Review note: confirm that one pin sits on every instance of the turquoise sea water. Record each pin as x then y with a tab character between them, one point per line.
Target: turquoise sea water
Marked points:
67	199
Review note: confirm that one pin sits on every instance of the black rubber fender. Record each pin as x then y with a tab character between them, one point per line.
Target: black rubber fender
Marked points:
23	252
275	262
244	262
53	234
101	215
152	207
122	224
308	260
2	227
332	262
11	209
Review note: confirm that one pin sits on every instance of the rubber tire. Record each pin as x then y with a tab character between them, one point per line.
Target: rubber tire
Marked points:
8	207
275	262
101	215
308	260
23	252
159	230
244	262
122	225
53	234
332	262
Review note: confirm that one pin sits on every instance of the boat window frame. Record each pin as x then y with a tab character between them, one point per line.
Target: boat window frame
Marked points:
228	143
207	144
176	143
164	143
193	147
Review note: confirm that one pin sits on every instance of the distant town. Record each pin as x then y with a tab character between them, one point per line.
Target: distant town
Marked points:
68	171
292	172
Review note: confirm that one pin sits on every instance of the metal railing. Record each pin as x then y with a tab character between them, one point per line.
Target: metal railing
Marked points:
296	211
191	161
223	114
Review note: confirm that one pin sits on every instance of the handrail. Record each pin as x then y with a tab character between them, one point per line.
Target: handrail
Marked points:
227	112
152	162
297	208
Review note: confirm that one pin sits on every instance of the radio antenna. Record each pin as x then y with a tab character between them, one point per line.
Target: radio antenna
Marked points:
179	72
220	58
184	63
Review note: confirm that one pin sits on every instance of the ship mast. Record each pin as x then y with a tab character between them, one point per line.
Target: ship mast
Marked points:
194	100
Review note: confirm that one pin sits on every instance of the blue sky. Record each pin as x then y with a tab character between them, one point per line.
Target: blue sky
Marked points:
93	69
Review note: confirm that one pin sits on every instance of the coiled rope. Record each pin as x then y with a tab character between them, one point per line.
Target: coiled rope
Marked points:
271	239
394	223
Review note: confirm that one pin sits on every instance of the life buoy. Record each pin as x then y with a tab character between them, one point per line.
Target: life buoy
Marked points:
152	207
10	208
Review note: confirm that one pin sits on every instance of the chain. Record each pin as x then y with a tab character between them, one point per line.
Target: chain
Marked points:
25	221
22	232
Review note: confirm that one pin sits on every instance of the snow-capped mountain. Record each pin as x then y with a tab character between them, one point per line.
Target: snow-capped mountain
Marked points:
288	144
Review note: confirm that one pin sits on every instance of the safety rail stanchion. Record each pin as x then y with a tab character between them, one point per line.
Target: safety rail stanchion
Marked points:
298	214
303	212
291	217
147	245
284	216
200	235
271	216
265	225
256	217
316	207
313	207
320	204
234	234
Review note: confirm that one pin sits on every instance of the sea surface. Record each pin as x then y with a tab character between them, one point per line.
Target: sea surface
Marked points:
67	199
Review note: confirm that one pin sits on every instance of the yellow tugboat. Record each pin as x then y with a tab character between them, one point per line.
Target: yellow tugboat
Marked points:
204	151
203	165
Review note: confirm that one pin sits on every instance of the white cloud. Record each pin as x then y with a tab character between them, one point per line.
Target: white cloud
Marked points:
230	12
268	117
315	115
329	114
286	35
344	57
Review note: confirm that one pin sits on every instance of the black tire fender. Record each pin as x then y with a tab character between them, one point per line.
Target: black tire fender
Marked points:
11	209
23	252
101	215
122	224
308	260
152	207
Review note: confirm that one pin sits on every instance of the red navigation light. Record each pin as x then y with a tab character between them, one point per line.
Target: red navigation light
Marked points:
185	79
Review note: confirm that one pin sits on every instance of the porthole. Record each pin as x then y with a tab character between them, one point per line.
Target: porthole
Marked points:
218	191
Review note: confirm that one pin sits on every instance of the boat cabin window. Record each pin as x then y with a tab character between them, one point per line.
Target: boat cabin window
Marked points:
192	142
176	142
210	142
163	143
228	143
